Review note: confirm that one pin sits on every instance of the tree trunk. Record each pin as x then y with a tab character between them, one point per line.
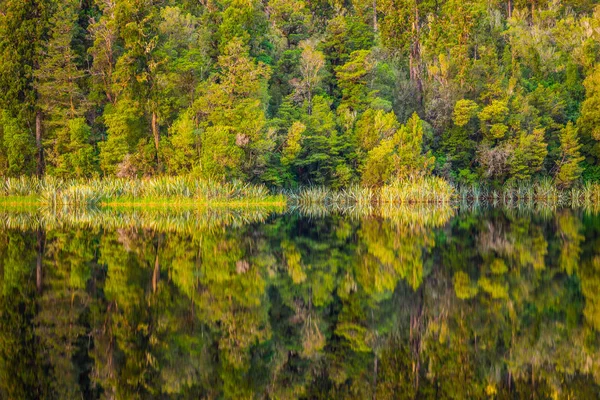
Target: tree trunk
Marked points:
375	367
155	131
39	276
375	16
156	272
38	143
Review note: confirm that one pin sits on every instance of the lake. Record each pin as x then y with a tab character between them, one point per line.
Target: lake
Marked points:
311	303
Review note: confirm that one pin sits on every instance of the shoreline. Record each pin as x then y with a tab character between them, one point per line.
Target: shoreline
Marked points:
186	192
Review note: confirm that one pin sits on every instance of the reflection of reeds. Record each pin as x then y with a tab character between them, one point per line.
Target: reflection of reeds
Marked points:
410	215
155	219
543	192
540	207
189	220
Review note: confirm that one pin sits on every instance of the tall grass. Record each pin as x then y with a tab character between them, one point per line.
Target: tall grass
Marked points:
97	191
430	190
174	190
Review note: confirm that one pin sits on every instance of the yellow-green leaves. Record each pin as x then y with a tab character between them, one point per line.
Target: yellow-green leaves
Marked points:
231	114
464	111
589	121
569	161
374	126
493	119
293	143
398	156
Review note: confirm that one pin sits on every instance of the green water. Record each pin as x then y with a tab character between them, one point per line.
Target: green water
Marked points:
349	304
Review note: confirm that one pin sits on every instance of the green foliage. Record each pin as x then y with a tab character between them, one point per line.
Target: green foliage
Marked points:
374	126
317	160
569	164
464	111
231	115
181	154
18	145
213	89
589	121
75	156
58	77
124	127
293	143
399	156
493	118
528	155
352	80
458	148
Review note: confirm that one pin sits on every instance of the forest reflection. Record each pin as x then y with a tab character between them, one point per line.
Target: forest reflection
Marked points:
412	302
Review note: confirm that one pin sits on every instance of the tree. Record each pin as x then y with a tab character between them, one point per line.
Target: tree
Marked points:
464	111
311	65
23	29
402	32
18	145
104	33
529	151
181	154
58	79
569	162
291	18
230	114
399	156
124	128
76	157
242	20
589	121
352	80
293	143
318	159
493	120
373	126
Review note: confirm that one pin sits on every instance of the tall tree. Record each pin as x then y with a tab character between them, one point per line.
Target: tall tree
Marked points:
58	83
231	115
23	29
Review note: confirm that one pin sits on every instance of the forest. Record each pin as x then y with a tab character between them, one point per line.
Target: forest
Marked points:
287	93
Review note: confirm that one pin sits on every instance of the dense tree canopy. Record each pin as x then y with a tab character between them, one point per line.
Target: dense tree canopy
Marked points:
291	92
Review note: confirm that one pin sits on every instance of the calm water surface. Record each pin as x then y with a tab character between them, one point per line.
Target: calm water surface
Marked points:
244	304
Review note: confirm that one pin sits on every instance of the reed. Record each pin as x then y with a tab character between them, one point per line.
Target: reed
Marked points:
432	190
94	192
429	190
189	191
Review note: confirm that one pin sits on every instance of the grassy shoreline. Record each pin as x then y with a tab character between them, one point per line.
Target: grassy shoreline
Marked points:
150	192
186	192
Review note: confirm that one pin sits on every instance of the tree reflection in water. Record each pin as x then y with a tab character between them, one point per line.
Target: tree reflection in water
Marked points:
405	302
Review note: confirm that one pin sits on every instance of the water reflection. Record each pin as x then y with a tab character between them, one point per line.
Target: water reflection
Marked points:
255	303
